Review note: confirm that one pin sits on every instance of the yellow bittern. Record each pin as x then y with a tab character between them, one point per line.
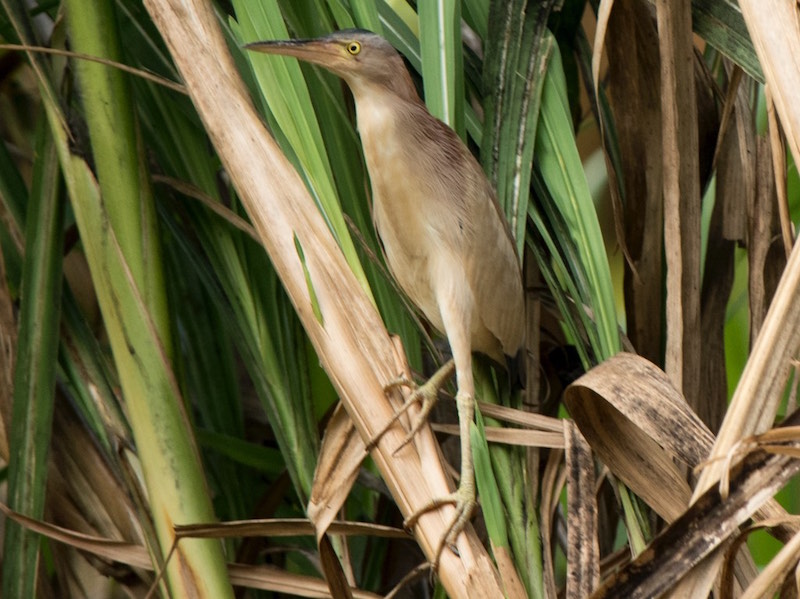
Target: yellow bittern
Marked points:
444	236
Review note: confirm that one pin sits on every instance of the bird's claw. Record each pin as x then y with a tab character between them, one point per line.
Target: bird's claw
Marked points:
425	394
465	505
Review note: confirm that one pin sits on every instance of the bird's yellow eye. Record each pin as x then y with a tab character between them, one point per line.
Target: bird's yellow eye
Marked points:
354	48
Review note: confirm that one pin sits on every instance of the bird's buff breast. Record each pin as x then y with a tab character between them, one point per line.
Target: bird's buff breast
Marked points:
399	205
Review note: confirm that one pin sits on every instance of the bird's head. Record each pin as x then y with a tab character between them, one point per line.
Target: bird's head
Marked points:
362	58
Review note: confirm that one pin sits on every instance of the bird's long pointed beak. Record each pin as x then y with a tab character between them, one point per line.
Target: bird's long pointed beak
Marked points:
321	52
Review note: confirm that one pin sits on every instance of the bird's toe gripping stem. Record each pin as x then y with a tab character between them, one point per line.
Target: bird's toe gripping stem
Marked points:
425	394
464	500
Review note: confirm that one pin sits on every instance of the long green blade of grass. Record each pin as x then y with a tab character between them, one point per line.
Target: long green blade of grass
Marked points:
559	164
442	61
35	370
514	47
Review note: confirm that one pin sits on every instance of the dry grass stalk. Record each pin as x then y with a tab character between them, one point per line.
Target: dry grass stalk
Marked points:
681	195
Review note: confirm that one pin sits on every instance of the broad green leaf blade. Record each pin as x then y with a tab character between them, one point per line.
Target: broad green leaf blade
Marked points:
13	198
286	93
491	504
365	13
476	13
720	24
442	61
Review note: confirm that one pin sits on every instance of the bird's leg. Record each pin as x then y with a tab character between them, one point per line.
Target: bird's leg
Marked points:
426	395
464	498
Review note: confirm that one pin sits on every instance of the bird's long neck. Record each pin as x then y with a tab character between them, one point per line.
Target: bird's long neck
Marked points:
399	86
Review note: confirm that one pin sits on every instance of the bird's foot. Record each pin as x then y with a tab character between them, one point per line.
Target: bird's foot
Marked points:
426	395
465	503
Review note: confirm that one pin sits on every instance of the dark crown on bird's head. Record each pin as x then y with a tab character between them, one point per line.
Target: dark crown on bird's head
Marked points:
364	37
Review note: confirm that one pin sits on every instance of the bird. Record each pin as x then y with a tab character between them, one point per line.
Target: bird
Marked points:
444	236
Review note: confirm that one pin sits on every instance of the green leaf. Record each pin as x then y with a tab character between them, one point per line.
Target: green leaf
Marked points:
286	93
491	504
442	61
559	165
35	369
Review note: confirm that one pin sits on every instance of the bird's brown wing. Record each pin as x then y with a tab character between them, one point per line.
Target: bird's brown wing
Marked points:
495	276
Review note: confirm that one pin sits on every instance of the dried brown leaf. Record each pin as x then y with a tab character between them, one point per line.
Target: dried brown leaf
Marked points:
634	90
553	480
755	402
270	578
774	28
258	577
778	144
338	582
638	424
735	191
282	527
776	571
340	458
705	527
511	436
512	585
766	259
117	551
681	196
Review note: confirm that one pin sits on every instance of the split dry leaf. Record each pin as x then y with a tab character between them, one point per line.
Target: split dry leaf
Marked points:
734	193
511	436
118	551
257	577
761	220
778	145
282	527
341	455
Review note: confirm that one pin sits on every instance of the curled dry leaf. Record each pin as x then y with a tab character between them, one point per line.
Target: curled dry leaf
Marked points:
638	424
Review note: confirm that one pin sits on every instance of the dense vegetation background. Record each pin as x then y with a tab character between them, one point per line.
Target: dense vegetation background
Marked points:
180	313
